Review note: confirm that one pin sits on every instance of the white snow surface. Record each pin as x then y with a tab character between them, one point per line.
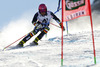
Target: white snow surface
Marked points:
78	52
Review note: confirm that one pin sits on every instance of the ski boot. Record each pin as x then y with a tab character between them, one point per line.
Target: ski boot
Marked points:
20	44
35	42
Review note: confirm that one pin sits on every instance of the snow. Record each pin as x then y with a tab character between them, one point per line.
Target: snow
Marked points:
78	52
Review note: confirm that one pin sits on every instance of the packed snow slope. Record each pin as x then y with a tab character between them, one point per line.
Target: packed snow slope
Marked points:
78	52
78	46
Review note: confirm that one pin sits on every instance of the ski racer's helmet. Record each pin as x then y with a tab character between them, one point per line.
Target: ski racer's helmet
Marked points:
42	9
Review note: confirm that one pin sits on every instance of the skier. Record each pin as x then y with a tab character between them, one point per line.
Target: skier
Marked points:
41	21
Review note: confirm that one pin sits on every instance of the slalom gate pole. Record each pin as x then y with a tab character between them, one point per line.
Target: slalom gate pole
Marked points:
13	42
92	32
57	11
58	5
62	36
67	26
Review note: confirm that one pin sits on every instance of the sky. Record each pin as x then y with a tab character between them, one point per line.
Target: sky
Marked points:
14	9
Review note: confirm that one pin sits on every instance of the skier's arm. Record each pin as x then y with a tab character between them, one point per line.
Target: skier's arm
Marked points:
34	21
57	20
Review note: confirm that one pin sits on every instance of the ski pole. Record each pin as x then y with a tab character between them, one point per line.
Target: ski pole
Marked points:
13	42
55	25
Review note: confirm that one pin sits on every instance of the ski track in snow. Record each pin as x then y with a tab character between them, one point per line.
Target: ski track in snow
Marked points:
78	52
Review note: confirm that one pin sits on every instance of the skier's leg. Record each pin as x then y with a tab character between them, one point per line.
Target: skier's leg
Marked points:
29	36
41	35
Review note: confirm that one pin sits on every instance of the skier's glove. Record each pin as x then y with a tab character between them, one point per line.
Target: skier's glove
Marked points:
36	23
61	27
39	26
